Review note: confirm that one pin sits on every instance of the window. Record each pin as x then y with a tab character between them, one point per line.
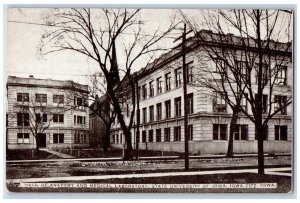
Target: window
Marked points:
127	110
219	104
80	120
281	132
158	135
190	132
144	89
220	66
280	101
190	104
23	138
264	76
150	135
58	138
158	111
23	119
45	117
38	117
189	70
177	133
178	77
265	136
264	102
139	92
144	115
58	118
240	132
219	132
168	81
75	119
151	113
42	98
117	138
144	136
81	137
138	117
159	85
85	138
167	135
78	101
114	139
58	99
244	102
78	138
23	97
242	68
168	108
177	106
281	75
151	86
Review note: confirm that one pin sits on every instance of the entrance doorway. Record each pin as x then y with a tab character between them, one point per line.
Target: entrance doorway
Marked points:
41	140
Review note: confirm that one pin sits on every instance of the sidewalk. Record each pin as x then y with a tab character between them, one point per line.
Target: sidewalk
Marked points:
66	157
271	171
61	155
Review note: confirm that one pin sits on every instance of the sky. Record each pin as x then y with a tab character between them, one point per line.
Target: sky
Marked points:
23	40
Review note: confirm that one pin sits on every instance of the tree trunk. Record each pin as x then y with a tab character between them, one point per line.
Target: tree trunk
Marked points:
126	129
231	131
128	154
37	148
106	140
258	102
260	146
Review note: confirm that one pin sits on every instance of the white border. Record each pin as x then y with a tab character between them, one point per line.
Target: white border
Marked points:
147	3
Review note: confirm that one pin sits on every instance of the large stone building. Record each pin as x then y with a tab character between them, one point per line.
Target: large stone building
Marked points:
161	105
52	111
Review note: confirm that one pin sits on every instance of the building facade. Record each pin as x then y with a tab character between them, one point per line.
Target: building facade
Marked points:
97	126
161	109
46	113
97	131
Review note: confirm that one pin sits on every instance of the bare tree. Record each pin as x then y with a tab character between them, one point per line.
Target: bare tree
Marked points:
37	116
260	46
92	33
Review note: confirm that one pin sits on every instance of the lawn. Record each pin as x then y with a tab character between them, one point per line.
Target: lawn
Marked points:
91	153
28	154
113	153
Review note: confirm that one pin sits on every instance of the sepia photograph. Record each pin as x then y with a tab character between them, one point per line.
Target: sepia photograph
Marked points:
142	100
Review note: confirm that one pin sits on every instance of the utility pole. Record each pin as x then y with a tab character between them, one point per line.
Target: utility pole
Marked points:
186	136
137	140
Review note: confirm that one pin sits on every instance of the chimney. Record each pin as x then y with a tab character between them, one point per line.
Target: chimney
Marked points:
30	76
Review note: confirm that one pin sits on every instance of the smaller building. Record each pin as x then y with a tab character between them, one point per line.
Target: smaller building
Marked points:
46	113
100	118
